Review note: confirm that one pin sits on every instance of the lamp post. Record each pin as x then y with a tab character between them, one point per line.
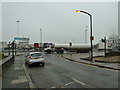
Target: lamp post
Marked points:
91	37
86	35
9	48
18	28
40	39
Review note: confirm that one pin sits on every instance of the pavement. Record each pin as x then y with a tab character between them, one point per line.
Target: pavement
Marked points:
76	58
16	76
0	82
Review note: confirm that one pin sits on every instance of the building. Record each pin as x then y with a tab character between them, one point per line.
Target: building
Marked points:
114	41
101	46
3	45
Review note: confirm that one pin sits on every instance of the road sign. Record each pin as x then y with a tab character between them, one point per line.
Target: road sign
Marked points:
91	38
23	39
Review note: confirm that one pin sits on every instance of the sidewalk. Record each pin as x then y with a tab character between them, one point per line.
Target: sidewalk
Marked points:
76	58
15	75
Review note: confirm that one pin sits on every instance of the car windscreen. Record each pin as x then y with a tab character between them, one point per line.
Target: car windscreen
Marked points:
36	54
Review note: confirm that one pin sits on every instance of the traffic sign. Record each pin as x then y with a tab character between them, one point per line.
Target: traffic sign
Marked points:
91	38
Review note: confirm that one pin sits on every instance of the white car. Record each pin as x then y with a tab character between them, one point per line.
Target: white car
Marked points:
34	58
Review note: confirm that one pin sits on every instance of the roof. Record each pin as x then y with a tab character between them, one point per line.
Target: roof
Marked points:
34	52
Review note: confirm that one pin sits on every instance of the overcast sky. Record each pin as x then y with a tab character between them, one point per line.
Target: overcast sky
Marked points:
58	20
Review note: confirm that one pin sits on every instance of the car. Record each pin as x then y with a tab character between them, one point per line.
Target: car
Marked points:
34	58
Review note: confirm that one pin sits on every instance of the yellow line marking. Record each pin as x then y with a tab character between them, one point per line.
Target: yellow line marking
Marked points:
92	65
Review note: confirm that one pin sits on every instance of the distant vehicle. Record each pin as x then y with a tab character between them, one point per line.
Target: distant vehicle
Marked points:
74	47
45	45
34	58
48	47
82	47
36	46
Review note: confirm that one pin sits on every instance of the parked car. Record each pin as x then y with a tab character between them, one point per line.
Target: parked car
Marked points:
34	58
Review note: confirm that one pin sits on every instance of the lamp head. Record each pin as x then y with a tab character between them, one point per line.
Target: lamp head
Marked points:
78	11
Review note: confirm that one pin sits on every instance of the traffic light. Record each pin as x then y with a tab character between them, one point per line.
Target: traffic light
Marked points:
103	40
70	43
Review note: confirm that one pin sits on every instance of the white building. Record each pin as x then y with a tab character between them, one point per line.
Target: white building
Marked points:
114	41
101	46
3	45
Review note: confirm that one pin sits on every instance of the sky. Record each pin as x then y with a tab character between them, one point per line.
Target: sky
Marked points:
58	20
119	18
0	21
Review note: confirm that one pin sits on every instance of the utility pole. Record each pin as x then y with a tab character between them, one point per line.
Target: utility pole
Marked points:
13	48
104	41
17	28
70	44
9	48
40	39
86	35
105	45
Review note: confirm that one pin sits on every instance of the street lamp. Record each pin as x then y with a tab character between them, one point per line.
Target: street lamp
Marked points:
18	28
91	37
86	35
41	38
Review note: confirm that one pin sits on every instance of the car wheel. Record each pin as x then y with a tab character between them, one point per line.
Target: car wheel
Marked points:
29	65
43	64
26	63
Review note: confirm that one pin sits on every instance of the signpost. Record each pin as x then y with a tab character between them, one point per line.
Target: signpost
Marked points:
70	44
104	41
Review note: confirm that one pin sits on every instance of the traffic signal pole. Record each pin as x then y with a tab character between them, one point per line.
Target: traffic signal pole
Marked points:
105	45
91	37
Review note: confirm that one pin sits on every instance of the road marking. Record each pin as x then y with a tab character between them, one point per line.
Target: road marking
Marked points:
20	80
92	65
53	87
46	66
69	83
68	61
78	81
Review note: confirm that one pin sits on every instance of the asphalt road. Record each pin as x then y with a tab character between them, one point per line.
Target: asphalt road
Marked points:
60	73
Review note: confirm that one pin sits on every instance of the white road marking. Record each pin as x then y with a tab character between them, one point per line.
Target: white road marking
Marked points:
20	80
17	68
69	83
52	87
78	81
46	66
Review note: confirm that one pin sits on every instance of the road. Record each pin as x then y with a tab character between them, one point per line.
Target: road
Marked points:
60	73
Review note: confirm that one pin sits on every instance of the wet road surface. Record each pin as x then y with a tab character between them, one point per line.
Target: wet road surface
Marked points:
60	73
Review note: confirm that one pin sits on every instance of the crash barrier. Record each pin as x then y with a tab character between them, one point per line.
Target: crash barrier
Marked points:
6	63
